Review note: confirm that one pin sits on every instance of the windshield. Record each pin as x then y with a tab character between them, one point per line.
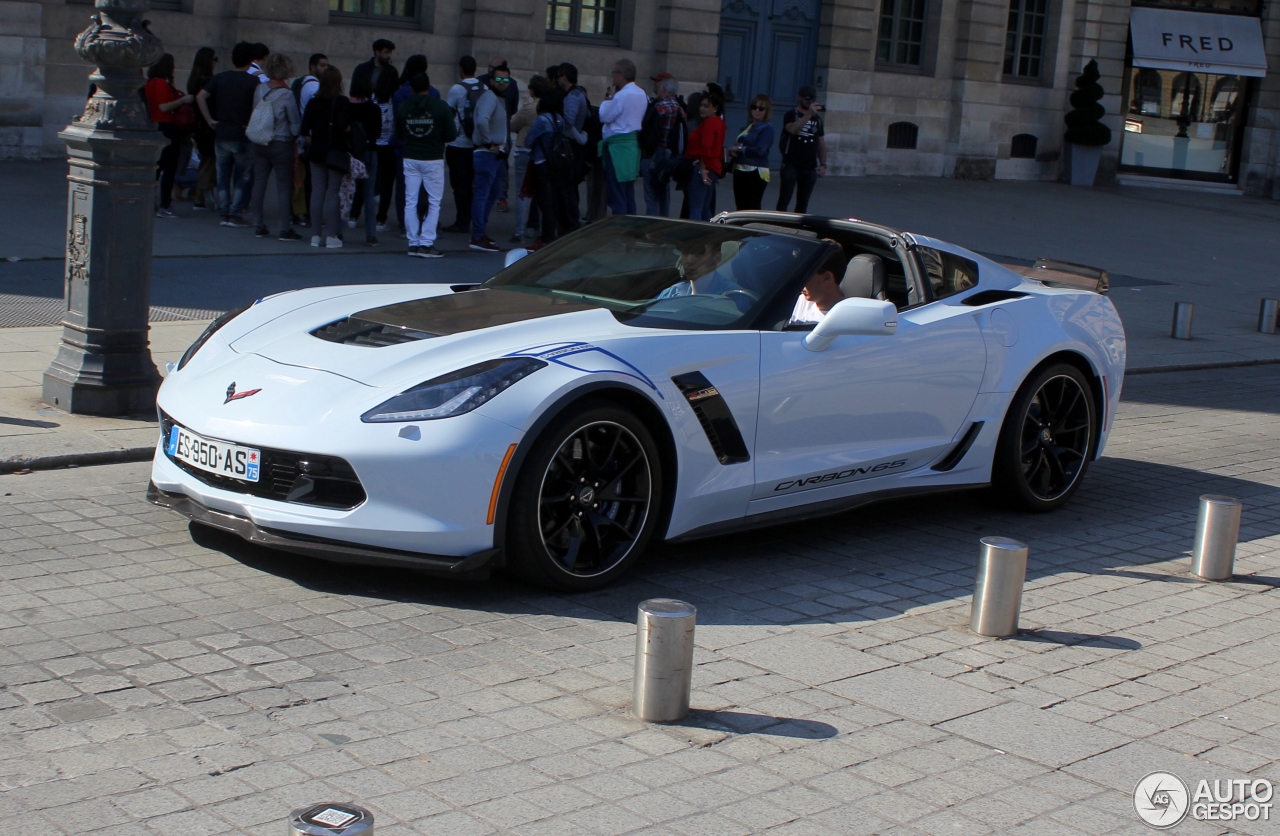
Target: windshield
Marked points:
666	274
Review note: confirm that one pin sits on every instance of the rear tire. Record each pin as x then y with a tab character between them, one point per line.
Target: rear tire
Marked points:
586	501
1047	439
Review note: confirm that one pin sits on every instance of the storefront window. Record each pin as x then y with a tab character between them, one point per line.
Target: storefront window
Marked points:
1174	128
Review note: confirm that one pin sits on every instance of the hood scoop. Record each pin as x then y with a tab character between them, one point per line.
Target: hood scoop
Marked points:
356	331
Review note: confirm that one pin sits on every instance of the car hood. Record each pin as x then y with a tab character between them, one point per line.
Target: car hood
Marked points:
406	342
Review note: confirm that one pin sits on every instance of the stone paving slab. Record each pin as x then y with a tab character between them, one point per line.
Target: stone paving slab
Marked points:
156	678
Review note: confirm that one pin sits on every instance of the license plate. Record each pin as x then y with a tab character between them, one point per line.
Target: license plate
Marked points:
218	457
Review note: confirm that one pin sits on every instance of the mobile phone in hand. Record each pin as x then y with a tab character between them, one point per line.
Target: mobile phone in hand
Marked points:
817	108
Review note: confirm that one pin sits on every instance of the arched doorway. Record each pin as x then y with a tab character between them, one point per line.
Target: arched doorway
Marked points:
766	46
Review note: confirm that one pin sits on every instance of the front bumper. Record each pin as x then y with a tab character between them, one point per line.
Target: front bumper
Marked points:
474	566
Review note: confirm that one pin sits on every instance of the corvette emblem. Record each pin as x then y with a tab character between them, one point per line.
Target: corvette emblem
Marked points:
233	395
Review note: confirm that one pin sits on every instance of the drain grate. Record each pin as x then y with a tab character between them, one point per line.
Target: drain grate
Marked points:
25	311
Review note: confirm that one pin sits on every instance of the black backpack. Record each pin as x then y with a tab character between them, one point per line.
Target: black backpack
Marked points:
296	87
562	160
651	138
467	115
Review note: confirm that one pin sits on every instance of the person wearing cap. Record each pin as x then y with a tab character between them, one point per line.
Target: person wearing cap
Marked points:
662	137
622	114
804	151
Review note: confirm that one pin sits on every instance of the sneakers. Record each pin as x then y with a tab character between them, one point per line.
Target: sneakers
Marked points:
199	207
262	232
351	224
167	213
235	221
226	221
333	243
429	252
458	228
535	246
290	235
414	252
485	245
371	240
502	206
315	241
301	220
382	227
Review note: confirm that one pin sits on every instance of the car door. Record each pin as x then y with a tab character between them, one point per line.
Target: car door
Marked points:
866	407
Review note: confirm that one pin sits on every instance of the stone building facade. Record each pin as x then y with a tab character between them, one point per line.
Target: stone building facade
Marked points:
954	88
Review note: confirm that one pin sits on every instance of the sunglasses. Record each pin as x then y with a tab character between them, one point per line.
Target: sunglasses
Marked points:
497	79
757	107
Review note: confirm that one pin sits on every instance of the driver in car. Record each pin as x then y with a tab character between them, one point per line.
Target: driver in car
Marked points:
821	292
697	266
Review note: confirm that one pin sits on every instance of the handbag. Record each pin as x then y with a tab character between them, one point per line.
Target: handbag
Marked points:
333	158
184	116
262	124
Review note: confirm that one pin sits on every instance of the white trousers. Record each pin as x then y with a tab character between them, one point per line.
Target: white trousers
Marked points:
429	174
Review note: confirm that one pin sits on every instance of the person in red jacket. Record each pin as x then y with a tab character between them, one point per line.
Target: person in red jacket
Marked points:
706	148
162	100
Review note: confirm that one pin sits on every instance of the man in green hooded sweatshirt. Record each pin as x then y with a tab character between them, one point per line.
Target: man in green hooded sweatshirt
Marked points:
424	124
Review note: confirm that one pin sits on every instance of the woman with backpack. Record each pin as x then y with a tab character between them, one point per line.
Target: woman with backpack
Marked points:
552	166
202	67
751	171
276	155
324	127
366	129
164	100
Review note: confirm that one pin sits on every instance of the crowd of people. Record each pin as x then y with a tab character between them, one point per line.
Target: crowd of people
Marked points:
392	140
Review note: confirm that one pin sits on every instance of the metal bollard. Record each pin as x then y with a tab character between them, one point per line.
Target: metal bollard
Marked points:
1268	314
1217	532
997	593
664	660
1182	320
330	818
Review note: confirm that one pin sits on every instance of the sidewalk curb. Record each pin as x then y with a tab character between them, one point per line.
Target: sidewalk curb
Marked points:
125	456
1199	367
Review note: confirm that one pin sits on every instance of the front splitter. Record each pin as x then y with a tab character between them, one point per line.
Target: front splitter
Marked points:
474	566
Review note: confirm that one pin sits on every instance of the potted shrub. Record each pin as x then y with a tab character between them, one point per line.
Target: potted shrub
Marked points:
1086	135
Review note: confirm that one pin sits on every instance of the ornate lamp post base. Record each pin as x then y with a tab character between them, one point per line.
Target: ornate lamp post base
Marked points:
104	365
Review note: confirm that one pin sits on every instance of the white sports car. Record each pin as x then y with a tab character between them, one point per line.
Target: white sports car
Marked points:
642	378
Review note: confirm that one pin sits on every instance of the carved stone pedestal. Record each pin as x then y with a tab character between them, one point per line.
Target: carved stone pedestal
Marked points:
104	365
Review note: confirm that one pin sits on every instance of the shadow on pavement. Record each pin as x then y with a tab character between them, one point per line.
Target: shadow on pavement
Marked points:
865	565
1068	639
741	722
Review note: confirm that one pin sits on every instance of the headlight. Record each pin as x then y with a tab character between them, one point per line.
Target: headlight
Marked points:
455	393
208	332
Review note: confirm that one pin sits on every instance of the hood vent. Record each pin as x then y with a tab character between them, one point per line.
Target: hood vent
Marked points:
355	331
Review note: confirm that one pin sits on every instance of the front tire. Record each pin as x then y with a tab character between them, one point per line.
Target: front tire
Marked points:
1047	438
586	501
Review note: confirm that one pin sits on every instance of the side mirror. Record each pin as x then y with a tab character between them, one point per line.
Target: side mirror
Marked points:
855	317
514	255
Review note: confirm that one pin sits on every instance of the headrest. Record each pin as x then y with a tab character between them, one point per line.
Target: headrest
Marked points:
864	277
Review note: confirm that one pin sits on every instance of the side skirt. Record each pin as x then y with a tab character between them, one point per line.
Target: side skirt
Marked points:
808	512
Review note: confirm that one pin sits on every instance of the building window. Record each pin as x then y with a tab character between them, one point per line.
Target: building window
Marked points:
903	135
592	18
403	10
1023	147
901	38
1024	42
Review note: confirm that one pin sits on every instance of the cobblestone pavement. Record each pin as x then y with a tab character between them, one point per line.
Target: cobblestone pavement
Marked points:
152	684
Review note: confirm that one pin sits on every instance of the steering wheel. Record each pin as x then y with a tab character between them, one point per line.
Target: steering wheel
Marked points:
738	291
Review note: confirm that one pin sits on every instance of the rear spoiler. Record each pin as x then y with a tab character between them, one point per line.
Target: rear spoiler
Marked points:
1065	274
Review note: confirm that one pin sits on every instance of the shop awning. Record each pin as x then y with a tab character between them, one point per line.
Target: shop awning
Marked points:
1165	39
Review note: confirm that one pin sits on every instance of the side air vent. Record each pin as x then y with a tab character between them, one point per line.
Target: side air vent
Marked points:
713	414
353	331
957	453
991	297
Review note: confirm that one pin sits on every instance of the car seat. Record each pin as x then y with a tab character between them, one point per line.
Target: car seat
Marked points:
864	278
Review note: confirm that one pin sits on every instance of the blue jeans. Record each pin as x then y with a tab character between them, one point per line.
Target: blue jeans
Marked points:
657	198
700	196
484	190
235	169
621	196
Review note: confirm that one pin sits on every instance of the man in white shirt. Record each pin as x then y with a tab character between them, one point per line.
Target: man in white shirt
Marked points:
821	292
621	115
462	97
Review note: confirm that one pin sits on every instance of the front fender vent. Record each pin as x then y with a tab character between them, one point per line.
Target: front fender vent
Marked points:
713	414
354	331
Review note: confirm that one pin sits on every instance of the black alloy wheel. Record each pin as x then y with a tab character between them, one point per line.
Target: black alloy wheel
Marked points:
586	500
1046	439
